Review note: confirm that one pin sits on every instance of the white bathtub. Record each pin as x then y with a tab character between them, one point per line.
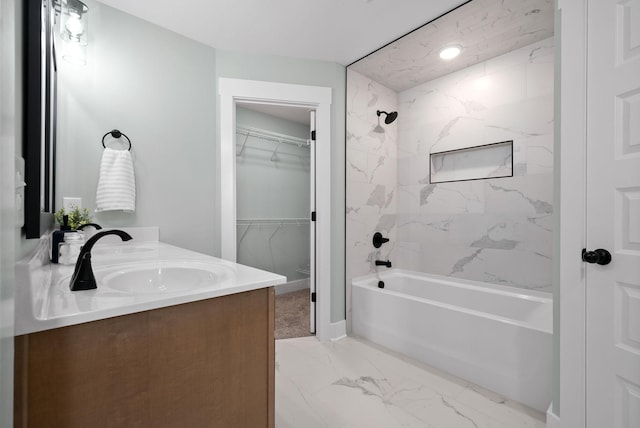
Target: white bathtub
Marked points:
494	336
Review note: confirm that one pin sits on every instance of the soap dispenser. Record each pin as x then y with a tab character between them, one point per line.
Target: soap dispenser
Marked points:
57	237
70	248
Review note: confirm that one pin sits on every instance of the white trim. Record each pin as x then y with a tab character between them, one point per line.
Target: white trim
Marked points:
572	146
291	286
314	97
312	230
553	421
338	330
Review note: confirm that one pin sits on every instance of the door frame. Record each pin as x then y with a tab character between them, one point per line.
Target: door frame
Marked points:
314	97
570	199
312	226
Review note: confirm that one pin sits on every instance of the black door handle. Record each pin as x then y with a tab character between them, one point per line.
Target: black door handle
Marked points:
599	256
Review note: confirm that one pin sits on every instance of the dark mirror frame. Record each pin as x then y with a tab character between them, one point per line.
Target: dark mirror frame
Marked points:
40	98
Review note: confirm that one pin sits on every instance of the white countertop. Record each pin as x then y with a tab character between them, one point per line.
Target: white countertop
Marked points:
44	301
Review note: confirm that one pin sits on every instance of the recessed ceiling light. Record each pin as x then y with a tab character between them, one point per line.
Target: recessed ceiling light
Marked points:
450	52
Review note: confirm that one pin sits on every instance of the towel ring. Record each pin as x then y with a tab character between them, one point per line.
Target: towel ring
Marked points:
115	134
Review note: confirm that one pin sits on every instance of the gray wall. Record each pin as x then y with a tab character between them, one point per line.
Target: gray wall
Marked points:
266	121
160	89
10	133
269	186
272	187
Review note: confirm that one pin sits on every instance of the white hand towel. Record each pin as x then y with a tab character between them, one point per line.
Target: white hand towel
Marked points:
117	183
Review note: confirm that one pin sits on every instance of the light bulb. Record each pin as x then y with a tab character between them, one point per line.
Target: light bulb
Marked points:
450	52
74	53
74	26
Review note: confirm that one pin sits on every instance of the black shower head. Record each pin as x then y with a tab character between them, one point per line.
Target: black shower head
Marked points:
390	116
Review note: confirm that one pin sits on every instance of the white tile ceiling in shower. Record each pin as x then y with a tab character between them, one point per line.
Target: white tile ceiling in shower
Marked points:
484	28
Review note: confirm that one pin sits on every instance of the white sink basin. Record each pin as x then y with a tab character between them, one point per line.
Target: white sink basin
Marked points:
119	249
170	277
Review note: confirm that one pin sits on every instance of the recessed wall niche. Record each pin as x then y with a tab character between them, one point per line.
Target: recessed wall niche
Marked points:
472	163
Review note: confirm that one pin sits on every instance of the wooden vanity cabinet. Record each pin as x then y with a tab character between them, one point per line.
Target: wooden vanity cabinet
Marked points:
208	363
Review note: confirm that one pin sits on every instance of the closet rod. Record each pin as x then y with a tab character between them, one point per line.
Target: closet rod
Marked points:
272	221
273	136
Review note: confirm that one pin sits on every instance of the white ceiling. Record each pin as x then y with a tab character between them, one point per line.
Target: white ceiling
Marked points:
344	31
341	31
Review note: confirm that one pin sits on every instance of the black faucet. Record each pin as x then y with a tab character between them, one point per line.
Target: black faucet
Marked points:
95	225
83	278
386	263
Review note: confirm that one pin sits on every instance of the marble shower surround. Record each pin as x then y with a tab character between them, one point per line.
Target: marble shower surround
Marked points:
371	176
495	230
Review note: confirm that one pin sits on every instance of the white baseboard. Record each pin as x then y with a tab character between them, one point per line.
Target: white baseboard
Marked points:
553	421
338	330
290	287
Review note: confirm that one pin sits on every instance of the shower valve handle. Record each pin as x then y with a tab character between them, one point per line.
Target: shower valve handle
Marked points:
599	256
378	240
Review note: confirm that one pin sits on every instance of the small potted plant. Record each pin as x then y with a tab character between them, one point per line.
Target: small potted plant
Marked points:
77	217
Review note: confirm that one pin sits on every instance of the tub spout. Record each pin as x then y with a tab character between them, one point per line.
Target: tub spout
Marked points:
386	263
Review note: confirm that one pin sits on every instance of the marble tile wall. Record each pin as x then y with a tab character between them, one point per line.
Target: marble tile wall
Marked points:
497	230
371	176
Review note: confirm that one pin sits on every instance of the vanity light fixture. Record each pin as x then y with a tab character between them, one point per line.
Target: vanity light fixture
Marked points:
450	52
73	31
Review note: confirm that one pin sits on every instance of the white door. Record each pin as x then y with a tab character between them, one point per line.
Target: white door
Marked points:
312	225
613	214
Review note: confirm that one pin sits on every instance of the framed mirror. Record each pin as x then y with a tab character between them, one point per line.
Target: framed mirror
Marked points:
40	93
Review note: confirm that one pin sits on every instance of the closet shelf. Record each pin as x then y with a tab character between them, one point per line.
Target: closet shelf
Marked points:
256	221
273	136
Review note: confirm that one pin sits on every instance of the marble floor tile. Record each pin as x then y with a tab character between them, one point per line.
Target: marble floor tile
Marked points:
352	383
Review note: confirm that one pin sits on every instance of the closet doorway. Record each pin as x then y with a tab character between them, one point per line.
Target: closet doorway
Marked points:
275	199
233	91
